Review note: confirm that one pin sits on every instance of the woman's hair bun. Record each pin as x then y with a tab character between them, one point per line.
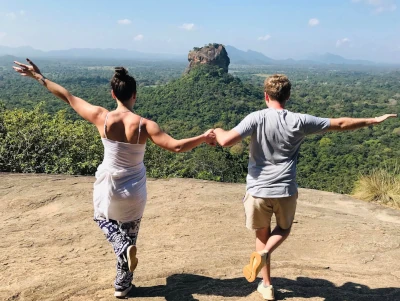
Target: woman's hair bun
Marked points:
120	72
122	84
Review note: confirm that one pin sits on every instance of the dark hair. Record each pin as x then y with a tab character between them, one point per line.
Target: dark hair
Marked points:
122	84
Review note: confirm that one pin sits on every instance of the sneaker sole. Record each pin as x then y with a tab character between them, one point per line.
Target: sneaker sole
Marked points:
251	270
123	294
132	260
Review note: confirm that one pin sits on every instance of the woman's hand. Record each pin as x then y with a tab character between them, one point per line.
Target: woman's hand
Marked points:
210	137
30	70
93	114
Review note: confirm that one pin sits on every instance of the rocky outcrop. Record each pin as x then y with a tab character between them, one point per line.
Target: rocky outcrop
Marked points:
211	54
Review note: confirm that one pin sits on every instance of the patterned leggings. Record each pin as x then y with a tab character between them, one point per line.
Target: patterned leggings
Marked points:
120	235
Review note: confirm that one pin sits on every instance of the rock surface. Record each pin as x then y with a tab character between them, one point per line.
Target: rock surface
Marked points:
212	54
192	245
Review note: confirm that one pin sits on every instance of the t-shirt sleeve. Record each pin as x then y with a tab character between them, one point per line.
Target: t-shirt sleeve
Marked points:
314	125
247	126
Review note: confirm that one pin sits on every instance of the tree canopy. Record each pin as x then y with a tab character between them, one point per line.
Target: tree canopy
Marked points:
50	138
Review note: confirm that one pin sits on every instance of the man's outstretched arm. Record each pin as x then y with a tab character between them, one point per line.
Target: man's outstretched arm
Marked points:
227	138
346	123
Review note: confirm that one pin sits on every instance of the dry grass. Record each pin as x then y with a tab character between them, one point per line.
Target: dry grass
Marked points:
380	186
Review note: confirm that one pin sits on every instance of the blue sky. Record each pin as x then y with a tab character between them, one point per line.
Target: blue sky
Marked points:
363	29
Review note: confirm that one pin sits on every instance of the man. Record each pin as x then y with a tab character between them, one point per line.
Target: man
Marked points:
276	136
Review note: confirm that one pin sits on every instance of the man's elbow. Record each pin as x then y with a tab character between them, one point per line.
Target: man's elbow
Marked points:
338	124
224	142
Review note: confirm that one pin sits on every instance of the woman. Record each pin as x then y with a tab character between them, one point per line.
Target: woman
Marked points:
119	195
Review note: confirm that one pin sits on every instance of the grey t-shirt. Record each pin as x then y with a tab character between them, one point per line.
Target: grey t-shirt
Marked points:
276	136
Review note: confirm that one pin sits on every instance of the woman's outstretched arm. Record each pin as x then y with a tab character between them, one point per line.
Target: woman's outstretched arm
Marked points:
91	113
165	141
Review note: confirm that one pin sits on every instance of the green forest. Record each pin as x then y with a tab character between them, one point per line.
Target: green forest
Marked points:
40	134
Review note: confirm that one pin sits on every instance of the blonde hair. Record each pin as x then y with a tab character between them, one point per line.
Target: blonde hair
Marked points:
278	87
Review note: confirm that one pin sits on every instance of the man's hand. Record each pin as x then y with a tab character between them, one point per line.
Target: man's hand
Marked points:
347	123
384	117
30	70
210	137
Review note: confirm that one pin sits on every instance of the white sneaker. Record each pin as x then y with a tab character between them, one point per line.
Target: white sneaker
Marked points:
266	292
122	293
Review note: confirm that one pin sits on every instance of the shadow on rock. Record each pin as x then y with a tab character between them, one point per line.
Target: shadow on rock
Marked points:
304	287
182	287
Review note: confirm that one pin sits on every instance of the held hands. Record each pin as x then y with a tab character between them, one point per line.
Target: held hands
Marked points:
384	117
30	70
210	137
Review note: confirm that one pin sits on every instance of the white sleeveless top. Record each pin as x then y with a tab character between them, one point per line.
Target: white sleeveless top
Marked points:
120	188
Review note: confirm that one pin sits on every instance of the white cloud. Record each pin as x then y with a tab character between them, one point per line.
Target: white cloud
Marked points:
11	16
342	42
264	38
139	37
379	6
2	35
382	9
187	26
14	15
124	22
313	22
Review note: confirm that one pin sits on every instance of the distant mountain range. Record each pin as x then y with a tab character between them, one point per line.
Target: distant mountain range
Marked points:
251	57
237	56
87	53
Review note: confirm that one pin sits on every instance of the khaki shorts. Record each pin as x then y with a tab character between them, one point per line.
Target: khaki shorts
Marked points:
259	211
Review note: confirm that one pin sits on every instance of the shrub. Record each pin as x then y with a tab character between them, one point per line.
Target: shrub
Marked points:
381	186
35	141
